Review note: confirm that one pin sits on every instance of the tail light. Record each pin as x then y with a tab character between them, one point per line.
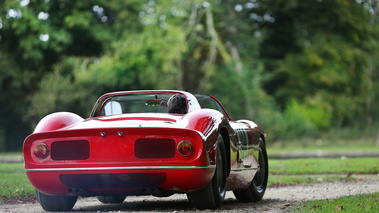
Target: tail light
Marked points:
41	151
185	148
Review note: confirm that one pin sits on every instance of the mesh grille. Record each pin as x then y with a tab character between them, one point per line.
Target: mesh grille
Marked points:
70	150
154	148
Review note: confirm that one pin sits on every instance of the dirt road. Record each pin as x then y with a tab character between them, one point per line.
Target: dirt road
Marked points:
276	199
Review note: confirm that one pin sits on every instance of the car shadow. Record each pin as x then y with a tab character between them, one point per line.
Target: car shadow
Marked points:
175	205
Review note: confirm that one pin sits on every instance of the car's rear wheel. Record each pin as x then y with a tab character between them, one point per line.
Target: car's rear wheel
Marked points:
111	199
213	194
257	188
56	203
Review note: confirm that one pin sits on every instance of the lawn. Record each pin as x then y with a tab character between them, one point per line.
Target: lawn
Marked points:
313	170
14	185
356	203
322	148
324	166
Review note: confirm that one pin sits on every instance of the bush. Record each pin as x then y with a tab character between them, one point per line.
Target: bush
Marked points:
317	113
290	124
298	122
2	141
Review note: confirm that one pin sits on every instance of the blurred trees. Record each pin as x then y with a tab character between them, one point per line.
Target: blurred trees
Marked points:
295	66
38	40
323	59
318	58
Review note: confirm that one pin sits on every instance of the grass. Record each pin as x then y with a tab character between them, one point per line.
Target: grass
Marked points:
14	185
324	166
313	170
323	147
356	203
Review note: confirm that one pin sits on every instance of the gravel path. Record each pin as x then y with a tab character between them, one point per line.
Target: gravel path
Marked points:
276	199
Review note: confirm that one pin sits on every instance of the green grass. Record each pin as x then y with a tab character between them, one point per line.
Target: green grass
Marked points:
324	147
14	185
356	203
313	170
324	166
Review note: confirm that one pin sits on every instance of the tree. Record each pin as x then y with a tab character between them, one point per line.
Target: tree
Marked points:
180	45
317	52
37	35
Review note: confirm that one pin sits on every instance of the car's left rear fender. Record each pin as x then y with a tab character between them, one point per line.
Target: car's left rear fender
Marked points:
57	121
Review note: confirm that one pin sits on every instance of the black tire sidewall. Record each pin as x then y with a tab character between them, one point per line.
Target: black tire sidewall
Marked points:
259	192
220	194
56	203
252	193
211	197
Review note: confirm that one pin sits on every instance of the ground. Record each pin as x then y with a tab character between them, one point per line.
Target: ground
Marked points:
276	199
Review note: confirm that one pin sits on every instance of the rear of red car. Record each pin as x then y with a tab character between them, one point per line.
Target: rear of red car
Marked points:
134	143
111	161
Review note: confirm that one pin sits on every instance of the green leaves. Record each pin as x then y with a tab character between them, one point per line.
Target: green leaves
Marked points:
310	62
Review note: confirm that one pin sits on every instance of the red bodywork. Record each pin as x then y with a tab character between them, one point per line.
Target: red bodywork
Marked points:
136	153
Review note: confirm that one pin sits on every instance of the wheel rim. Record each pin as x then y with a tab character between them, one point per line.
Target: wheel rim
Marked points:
260	177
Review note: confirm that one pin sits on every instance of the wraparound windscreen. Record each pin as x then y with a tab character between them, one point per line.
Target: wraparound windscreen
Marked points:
134	103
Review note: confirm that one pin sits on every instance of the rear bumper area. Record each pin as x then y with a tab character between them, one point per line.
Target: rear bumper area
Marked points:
118	180
111	161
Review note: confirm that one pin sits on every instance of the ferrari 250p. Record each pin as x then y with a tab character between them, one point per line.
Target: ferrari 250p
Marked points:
146	143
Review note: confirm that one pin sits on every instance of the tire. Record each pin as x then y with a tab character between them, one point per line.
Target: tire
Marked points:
212	196
111	199
257	188
56	203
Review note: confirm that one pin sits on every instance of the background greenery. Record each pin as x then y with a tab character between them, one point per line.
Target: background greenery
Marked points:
298	68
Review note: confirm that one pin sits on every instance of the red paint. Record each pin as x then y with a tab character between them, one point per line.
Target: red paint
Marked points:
112	147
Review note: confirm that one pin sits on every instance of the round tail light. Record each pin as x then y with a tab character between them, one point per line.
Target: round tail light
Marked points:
185	148
41	151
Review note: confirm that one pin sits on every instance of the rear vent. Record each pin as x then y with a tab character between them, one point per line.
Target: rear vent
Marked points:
154	148
70	150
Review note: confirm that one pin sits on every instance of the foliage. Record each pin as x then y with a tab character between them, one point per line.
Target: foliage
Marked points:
36	35
296	67
2	142
295	122
331	76
323	56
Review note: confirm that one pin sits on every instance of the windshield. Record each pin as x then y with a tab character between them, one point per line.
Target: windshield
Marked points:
206	101
142	103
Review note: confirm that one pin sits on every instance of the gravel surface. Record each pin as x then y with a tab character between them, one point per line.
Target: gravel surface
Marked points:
276	199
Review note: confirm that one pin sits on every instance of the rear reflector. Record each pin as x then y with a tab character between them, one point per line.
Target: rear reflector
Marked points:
70	150
154	148
41	151
185	148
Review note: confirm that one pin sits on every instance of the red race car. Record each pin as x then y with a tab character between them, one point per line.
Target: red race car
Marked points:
146	143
